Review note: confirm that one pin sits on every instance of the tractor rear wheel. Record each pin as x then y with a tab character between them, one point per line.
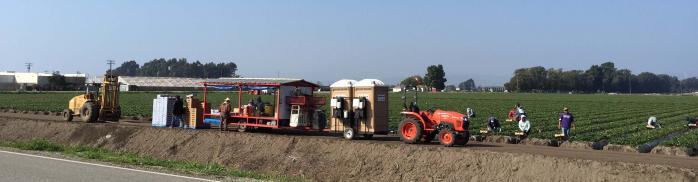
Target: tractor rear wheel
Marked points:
447	137
89	112
67	115
411	131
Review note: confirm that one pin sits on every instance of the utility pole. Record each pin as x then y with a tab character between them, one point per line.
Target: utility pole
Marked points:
110	63
29	66
630	82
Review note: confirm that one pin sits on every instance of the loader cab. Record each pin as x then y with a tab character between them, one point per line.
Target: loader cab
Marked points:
91	91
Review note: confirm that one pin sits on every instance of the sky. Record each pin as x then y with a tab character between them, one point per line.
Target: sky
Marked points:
327	40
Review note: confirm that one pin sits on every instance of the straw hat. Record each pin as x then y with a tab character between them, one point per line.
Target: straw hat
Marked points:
227	99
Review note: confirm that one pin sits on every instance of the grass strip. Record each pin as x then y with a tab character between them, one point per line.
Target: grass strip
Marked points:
126	158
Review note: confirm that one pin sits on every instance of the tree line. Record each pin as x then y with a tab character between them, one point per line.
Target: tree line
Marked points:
177	68
436	78
598	78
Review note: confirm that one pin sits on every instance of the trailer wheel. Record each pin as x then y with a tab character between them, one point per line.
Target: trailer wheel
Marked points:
447	138
411	131
242	128
67	115
349	133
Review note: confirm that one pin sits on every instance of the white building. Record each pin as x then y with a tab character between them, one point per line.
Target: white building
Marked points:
32	81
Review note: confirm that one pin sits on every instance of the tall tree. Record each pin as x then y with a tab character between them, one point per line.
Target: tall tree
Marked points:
468	85
608	70
128	68
690	84
435	77
412	81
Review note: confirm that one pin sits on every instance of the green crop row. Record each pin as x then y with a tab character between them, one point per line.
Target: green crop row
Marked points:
619	118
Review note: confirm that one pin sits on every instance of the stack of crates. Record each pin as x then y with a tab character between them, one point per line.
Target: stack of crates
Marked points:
163	106
195	115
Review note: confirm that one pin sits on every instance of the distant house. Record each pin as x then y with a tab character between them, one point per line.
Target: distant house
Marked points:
397	88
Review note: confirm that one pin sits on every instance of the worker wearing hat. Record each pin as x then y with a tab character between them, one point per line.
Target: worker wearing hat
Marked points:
225	113
524	124
566	122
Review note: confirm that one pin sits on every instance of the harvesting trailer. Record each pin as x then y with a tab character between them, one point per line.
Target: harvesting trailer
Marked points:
417	126
294	105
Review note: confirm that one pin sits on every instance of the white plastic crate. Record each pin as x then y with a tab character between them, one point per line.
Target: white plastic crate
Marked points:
162	111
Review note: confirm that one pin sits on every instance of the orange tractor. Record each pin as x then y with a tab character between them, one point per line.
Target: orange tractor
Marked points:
450	127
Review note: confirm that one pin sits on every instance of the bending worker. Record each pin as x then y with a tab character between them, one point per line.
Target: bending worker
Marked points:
652	123
566	122
524	125
493	124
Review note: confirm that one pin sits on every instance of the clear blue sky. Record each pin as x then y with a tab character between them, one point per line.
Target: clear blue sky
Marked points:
329	40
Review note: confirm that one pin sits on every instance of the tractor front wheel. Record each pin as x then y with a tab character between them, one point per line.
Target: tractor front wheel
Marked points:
447	138
67	115
463	138
411	131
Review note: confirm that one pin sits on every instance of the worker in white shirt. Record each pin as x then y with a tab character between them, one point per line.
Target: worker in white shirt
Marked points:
524	124
652	123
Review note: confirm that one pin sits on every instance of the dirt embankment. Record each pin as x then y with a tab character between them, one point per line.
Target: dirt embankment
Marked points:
333	159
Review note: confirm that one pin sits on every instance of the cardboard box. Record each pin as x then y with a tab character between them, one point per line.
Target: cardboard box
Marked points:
196	119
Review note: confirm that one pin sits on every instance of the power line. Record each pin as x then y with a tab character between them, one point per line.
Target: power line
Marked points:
29	66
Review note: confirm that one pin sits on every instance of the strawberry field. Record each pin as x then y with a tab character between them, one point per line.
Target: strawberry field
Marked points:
620	119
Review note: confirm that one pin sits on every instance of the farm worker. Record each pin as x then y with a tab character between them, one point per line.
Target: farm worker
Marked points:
520	111
470	112
260	106
524	124
512	115
249	108
225	111
566	122
493	124
692	120
653	123
178	112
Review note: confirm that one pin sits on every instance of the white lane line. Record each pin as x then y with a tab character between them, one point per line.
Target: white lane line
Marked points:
114	167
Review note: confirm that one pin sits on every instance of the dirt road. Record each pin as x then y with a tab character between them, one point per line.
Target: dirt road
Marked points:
329	158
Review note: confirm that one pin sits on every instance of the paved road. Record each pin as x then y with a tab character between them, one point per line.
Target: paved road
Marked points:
26	167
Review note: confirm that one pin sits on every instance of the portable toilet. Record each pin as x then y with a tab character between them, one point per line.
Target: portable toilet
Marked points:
341	95
370	105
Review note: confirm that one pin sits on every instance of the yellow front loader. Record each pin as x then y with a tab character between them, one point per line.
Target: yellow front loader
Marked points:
99	103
